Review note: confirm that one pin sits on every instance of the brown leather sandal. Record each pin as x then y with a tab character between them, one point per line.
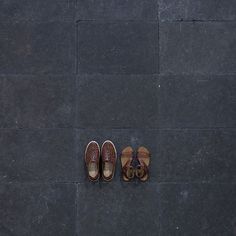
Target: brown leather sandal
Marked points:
92	158
128	171
142	169
109	157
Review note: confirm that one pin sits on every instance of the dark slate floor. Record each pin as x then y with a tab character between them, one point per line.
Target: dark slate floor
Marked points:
139	72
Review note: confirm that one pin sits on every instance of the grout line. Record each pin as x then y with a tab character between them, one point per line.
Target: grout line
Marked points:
100	20
35	128
128	128
76	209
193	129
197	21
159	129
39	183
116	74
37	21
196	183
158	69
76	77
160	212
77	49
159	49
110	20
119	182
38	75
197	74
158	38
76	4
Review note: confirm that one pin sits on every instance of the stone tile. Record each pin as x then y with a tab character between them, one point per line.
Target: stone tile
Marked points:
117	101
37	155
117	47
119	10
197	10
118	209
37	10
121	139
41	48
199	101
198	209
37	209
37	102
197	156
202	47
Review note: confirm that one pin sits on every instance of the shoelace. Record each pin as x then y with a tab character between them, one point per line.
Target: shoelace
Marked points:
108	155
93	155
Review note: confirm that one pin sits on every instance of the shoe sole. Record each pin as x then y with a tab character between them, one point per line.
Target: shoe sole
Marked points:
93	180
109	141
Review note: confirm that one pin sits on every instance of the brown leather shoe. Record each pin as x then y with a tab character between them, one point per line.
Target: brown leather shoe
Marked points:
109	157
142	169
92	158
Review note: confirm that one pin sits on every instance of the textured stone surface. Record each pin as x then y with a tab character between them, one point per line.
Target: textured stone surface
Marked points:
37	10
37	156
37	48
195	209
135	210
117	47
72	71
121	138
37	102
201	47
197	101
197	156
197	10
117	101
118	10
37	209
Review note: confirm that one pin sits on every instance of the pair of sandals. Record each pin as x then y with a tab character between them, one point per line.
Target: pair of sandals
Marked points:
135	165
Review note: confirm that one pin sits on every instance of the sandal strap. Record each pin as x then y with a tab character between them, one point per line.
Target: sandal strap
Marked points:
126	169
144	167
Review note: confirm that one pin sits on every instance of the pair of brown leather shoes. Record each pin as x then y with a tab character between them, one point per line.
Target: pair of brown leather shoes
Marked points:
135	165
107	155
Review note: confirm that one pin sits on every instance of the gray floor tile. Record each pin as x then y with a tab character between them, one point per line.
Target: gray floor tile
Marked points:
117	47
118	10
197	101
37	155
121	139
37	10
41	48
201	47
118	101
198	210
197	156
197	10
118	209
186	117
37	209
37	102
